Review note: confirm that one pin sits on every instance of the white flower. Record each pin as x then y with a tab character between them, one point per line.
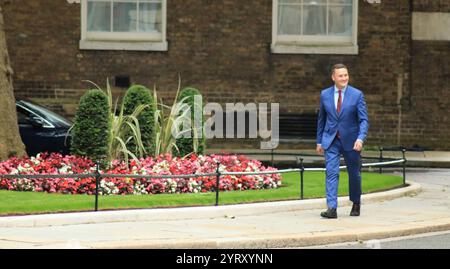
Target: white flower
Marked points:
108	188
134	170
35	161
64	169
222	168
23	184
139	188
25	168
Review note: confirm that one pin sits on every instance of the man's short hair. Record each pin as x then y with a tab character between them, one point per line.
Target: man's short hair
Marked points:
338	66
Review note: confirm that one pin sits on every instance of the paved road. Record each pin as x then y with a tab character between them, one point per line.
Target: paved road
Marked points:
439	240
431	178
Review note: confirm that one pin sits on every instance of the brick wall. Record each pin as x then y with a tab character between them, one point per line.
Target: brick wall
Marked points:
223	48
428	116
431	5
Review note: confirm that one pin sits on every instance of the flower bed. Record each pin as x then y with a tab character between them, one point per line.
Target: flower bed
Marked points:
161	165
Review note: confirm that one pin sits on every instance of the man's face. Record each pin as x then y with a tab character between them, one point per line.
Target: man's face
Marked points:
340	77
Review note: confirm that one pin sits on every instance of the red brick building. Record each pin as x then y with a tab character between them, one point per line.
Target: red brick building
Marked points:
263	51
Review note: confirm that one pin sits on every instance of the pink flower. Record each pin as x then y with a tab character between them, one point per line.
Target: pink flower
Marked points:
164	164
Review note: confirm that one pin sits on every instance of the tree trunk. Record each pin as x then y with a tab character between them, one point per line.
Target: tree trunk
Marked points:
10	142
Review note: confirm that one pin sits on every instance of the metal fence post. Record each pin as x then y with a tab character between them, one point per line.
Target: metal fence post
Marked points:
404	166
302	170
381	160
271	153
217	183
97	181
360	164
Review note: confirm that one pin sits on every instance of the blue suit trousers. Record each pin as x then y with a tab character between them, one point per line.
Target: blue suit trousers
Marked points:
352	160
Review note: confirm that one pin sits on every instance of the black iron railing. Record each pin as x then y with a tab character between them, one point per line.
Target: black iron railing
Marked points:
218	174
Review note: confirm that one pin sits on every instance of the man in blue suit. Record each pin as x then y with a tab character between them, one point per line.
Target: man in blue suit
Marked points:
342	127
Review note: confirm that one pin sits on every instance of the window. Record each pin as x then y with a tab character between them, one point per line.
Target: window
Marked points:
27	118
314	26
123	24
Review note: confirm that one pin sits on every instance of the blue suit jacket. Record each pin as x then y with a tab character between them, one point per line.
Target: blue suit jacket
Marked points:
352	122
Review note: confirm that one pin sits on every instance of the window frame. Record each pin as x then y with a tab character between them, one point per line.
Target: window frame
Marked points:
123	40
310	44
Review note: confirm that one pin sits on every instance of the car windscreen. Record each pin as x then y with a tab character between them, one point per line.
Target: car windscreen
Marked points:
49	115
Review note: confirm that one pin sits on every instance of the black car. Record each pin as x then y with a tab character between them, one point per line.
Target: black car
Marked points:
41	129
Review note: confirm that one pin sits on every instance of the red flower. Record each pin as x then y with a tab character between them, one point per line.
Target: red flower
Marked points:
164	164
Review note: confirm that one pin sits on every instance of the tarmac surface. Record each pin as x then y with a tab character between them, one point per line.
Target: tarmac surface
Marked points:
422	207
435	240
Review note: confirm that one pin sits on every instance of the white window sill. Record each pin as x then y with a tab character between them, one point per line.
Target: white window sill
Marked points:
128	45
285	48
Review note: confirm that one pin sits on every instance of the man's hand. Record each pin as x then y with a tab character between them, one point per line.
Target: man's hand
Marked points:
358	145
319	149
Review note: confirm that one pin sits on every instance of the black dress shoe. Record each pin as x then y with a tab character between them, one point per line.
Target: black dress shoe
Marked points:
356	208
329	214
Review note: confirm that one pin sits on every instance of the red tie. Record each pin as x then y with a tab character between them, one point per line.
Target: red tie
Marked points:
339	103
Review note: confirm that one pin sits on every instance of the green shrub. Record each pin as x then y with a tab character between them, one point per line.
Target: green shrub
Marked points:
90	132
194	144
135	96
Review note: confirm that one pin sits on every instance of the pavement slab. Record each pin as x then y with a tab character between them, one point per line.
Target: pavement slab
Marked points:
422	207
